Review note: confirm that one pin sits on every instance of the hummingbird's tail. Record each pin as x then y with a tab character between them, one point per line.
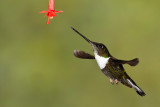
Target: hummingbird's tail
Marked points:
130	83
136	88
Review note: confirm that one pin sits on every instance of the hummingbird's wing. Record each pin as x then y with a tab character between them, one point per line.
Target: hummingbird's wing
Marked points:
83	55
133	62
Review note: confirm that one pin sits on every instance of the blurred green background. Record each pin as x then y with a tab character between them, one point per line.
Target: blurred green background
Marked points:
37	66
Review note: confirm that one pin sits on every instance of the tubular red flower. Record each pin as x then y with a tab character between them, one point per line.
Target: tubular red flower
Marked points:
51	12
51	5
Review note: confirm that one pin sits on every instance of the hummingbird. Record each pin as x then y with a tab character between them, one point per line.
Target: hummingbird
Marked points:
109	65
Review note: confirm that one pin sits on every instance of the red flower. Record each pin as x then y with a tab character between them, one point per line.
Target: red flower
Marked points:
51	12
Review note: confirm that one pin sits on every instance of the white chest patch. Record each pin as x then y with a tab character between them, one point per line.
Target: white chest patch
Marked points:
101	60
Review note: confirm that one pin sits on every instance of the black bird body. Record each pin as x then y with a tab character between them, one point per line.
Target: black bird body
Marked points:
110	66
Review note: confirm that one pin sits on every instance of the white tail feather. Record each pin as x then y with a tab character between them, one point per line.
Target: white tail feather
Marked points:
134	86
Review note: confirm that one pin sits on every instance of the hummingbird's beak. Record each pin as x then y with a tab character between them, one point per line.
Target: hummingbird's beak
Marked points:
92	43
83	36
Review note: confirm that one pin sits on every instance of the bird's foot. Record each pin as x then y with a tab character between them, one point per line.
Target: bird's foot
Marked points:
116	81
111	81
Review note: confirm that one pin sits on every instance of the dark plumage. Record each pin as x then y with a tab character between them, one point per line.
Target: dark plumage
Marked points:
110	66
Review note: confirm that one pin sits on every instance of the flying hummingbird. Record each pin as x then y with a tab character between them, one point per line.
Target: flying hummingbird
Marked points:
109	65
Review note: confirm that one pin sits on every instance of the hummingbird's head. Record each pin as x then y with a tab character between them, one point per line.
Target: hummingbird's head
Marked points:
98	48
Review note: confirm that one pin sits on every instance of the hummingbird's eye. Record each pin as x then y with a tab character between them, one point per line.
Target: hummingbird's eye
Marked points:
101	46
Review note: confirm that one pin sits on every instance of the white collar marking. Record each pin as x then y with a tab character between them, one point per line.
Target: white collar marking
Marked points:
101	60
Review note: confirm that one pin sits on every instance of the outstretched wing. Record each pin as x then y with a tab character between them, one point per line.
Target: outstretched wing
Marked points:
83	55
133	62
